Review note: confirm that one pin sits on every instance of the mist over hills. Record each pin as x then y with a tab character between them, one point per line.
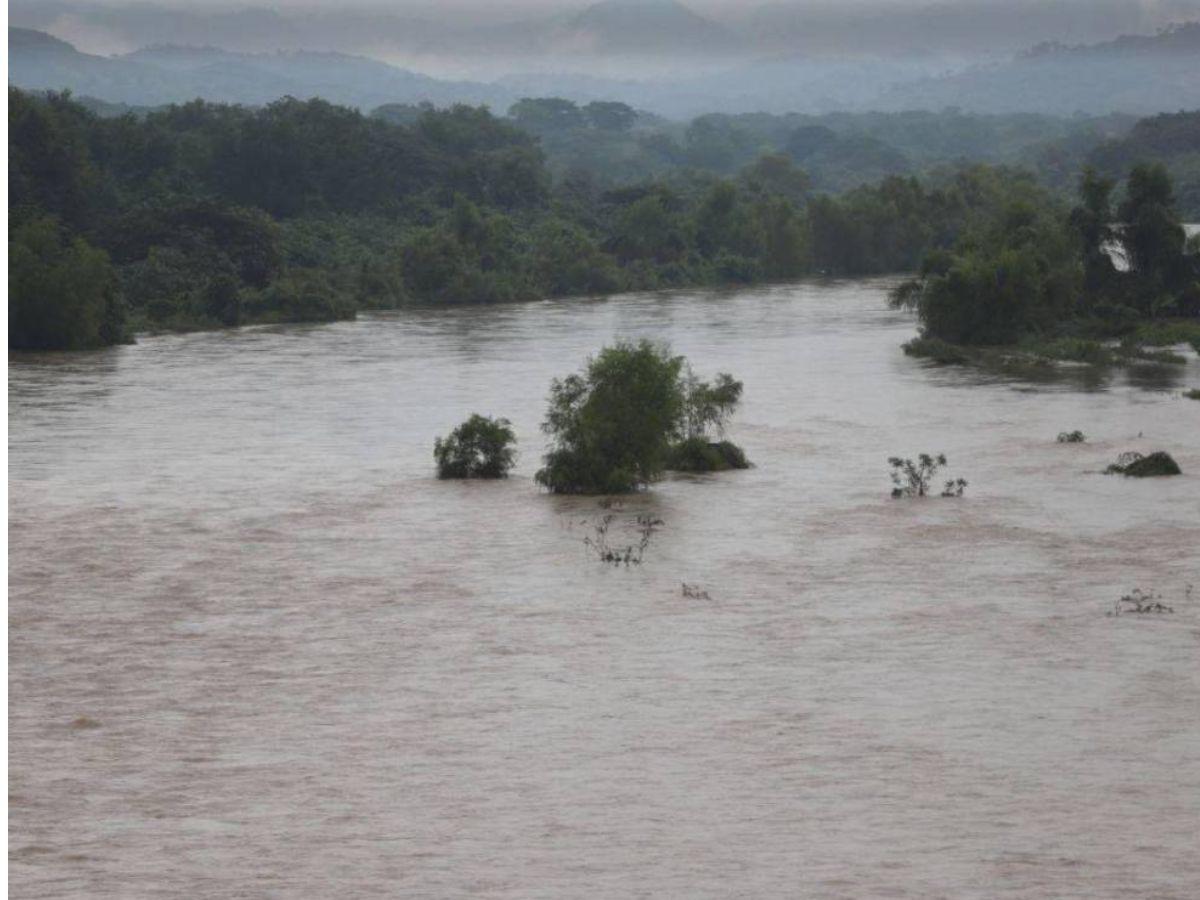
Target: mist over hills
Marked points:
169	74
1134	74
643	35
656	55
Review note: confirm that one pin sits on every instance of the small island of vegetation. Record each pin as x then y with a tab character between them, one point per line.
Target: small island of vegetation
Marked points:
634	412
481	447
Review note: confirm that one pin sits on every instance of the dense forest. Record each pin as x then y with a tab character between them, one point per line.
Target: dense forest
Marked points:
205	215
1062	284
209	215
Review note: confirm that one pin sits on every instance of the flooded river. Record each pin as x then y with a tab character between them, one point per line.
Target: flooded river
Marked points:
258	650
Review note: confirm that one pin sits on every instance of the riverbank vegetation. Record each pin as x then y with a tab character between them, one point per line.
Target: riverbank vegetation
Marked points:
1044	282
206	215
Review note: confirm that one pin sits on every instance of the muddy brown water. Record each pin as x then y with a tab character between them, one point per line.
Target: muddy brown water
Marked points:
258	650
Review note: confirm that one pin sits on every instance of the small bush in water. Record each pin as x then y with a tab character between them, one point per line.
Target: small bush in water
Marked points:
481	447
1139	602
700	455
1193	394
1071	437
707	406
913	479
629	555
632	413
1135	465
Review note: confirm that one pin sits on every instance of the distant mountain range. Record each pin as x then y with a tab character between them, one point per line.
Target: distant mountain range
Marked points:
167	74
640	27
1136	74
645	30
610	29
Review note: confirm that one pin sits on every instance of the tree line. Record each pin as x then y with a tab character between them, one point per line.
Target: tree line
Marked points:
209	215
1040	271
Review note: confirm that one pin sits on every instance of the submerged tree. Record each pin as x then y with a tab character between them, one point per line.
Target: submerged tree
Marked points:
707	406
915	479
635	411
612	424
481	447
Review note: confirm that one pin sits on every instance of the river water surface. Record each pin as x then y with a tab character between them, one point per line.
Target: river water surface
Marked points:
258	650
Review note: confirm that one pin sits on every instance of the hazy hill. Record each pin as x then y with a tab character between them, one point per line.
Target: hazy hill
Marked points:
1172	139
167	74
640	27
1136	74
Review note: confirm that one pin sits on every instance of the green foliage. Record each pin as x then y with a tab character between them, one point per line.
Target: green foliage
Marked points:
612	425
698	455
218	215
481	447
50	166
1168	333
547	114
1071	437
1092	221
708	405
1153	237
1031	271
302	295
471	256
1172	139
62	293
648	229
1079	350
941	352
610	116
568	260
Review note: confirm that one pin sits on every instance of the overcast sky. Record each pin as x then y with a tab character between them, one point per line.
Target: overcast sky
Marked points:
949	29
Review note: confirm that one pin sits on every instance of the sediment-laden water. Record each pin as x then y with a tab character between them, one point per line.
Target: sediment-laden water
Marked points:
257	650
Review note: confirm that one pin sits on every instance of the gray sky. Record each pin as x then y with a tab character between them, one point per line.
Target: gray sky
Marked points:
951	29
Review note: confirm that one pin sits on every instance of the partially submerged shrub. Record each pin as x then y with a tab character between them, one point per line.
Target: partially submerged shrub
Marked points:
1167	334
633	412
600	543
695	592
1192	394
1072	349
1139	602
481	447
936	349
1134	465
1071	437
1135	353
699	455
612	424
954	488
707	406
914	479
